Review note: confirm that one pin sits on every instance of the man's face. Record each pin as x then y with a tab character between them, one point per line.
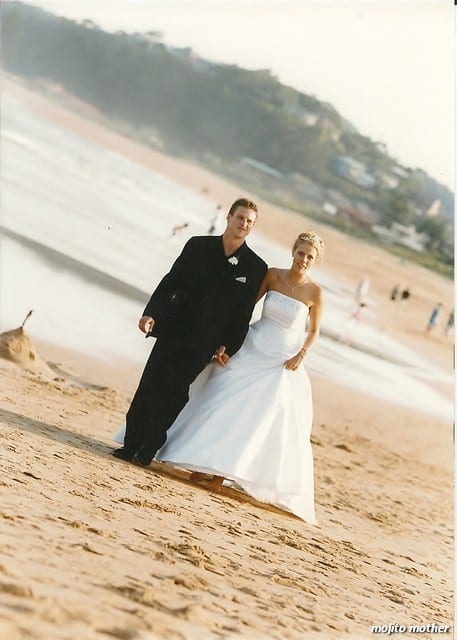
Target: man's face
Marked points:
240	223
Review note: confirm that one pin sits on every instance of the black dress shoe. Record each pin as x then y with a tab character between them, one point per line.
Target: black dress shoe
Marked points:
123	454
141	458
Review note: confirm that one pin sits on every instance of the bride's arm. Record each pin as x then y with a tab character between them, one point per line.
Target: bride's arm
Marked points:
315	314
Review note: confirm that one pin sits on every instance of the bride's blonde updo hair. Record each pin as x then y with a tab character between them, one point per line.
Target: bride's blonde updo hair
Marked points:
314	240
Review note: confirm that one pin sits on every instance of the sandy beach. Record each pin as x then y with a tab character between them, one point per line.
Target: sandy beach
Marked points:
91	547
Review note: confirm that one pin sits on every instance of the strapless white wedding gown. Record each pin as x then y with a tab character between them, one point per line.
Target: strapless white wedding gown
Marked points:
251	420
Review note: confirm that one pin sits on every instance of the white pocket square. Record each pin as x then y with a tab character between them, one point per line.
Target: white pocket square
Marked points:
241	279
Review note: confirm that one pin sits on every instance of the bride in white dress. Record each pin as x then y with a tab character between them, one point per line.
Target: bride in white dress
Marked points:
249	420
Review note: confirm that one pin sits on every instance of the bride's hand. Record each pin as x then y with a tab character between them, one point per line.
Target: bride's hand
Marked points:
221	357
293	363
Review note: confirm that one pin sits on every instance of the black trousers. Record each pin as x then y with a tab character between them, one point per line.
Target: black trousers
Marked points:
162	392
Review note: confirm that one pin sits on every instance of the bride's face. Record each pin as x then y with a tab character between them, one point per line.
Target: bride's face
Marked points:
304	256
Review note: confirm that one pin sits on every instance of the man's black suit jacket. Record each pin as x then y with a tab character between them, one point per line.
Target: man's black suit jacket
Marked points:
207	298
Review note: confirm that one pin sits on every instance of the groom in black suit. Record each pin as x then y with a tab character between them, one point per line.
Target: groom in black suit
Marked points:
200	310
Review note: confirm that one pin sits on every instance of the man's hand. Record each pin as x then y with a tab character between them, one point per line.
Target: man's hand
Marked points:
221	357
146	324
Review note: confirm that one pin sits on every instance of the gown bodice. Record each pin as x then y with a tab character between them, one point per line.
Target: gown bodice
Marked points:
285	311
280	332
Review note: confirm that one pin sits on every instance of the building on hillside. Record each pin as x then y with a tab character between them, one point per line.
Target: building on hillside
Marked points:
337	199
185	53
382	147
306	188
329	208
406	236
190	56
356	215
90	24
328	130
308	118
369	212
387	179
434	209
354	171
260	169
401	172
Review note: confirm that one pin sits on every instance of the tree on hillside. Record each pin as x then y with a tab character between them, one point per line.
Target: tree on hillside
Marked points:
438	229
397	207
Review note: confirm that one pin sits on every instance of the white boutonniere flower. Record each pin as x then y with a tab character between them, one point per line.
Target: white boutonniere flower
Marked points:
233	260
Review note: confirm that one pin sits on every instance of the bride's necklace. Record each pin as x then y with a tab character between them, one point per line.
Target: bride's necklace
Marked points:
297	286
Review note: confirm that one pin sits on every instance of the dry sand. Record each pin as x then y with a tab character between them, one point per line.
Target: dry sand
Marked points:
91	547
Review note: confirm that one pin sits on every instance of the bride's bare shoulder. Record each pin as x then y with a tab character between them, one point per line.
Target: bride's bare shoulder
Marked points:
276	272
316	290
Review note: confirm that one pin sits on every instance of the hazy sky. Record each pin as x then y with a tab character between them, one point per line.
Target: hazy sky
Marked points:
387	67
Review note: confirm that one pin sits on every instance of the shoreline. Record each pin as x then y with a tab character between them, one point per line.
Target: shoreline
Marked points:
121	376
362	351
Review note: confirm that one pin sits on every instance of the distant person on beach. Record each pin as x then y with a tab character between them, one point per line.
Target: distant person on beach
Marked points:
405	295
212	227
433	319
353	322
394	293
450	323
250	422
362	290
200	310
357	312
179	228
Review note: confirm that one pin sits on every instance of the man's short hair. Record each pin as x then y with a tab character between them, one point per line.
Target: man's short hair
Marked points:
242	202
